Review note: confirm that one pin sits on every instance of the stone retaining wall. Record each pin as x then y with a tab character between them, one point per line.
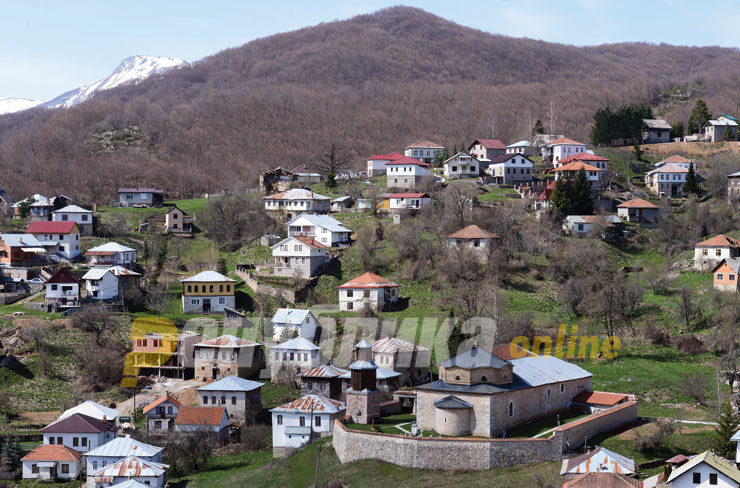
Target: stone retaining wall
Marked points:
574	434
287	294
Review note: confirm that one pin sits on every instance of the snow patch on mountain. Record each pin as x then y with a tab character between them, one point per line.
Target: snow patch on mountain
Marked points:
12	105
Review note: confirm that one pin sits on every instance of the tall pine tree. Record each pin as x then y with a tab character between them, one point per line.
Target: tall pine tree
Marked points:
583	200
691	185
560	198
699	116
728	424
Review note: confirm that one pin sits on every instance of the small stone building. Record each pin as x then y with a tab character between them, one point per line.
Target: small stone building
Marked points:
404	357
325	381
289	359
472	238
225	356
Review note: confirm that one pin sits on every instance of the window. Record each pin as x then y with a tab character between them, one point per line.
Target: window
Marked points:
157	424
302	421
75	442
95	465
51	440
349	294
169	409
228	288
317	421
483	378
205	400
511	409
712	478
221	288
719	276
562	388
213	399
548	393
731	277
35	468
457	377
84	441
65	217
65	469
221	301
203	288
697	478
59	440
211	288
280	420
233	400
350	306
223	400
705	252
718	252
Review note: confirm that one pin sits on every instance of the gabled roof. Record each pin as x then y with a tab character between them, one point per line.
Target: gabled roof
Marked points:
200	415
719	464
669	168
475	357
159	401
298	343
522	143
290	316
91	409
408	161
175	207
582	156
78	424
489	143
369	280
109	248
590	219
502	158
228	341
132	483
726	122
677	159
64	275
565	141
124	447
207	276
380	373
132	466
602	480
734	175
72	209
576	166
325	371
95	273
472	232
680	458
386	157
309	241
408	195
719	241
424	143
544	370
452	402
21	240
637	203
296	194
656	124
121	271
733	263
617	463
394	344
312	403
39	201
323	221
600	398
462	154
48	227
52	452
231	383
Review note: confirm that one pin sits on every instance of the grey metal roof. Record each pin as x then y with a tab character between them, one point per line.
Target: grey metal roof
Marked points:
207	276
298	344
231	383
734	175
543	370
734	263
452	402
475	358
291	316
380	373
72	209
656	124
124	447
21	240
323	221
480	388
363	344
363	365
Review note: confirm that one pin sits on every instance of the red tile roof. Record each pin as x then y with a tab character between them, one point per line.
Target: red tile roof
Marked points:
490	143
406	160
369	280
164	398
325	371
600	398
582	156
472	232
312	402
504	352
678	458
719	241
602	480
42	227
425	144
200	415
309	241
386	157
576	166
52	452
567	141
64	275
637	203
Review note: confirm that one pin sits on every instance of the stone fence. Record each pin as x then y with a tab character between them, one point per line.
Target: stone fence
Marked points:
474	454
288	294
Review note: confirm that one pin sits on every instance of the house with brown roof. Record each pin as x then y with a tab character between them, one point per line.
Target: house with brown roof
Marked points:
367	291
80	432
52	462
708	253
63	289
639	211
226	355
668	180
209	419
473	238
484	150
677	160
298	257
300	421
602	480
727	275
161	414
61	238
596	401
426	151
377	164
131	468
590	159
407	358
570	170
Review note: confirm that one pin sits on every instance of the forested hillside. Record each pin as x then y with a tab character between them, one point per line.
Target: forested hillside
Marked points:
372	84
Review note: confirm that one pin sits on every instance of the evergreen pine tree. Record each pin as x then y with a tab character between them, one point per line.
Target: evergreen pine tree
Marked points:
637	152
728	424
699	116
560	198
331	180
582	201
161	256
222	266
691	185
538	128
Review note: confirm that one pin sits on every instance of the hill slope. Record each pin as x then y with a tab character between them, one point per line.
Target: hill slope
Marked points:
373	83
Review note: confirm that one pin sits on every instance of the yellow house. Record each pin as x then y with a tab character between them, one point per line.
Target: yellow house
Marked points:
207	292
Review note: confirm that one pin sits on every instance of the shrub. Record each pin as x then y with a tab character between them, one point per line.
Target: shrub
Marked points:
690	344
655	440
656	335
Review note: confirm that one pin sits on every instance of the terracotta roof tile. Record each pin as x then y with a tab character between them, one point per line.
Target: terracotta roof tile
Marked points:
602	480
407	195
406	160
386	157
368	280
313	402
199	415
161	400
504	352
309	241
600	398
325	371
576	166
677	159
582	156
637	203
472	232
565	140
52	452
425	144
719	241
490	143
43	227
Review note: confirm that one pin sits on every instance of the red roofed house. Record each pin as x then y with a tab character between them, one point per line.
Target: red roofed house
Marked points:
562	148
62	237
63	289
377	165
298	257
209	419
570	170
677	160
367	291
727	275
426	151
472	237
485	150
398	202
668	180
708	253
299	422
161	414
639	211
591	159
603	480
52	462
407	172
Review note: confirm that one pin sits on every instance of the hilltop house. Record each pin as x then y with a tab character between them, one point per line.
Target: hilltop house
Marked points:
598	460
213	420
570	171
562	148
226	355
63	289
473	238
407	358
655	131
161	414
293	322
300	421
377	165
80	432
510	169
705	469
401	202
207	292
484	150
149	473
291	358
367	291
668	180
298	257
140	197
39	206
61	237
177	222
325	229
461	165
325	380
592	160
722	128
425	151
80	216
52	462
727	275
677	160
296	201
111	254
708	253
119	448
639	211
523	147
241	397
406	172
20	250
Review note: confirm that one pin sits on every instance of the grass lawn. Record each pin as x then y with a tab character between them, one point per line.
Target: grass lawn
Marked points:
496	193
387	424
542	425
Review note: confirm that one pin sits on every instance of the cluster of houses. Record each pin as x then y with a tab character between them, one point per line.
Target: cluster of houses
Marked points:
717	129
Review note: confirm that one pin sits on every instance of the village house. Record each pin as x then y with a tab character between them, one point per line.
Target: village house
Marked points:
407	358
91	409
510	169
597	460
677	160
80	216
101	284
325	381
20	250
111	254
484	150
296	201
668	180
242	398
305	177
276	180
655	131
341	204
401	202
128	281
298	422
297	257
39	206
590	159
733	188
727	275
161	414
140	197
325	229
407	173
226	355
212	420
604	480
723	128
473	238
293	322
149	473
52	462
523	147
80	432
708	253
63	290
62	238
461	165
639	211
291	358
377	165
119	448
570	171
162	354
207	292
581	225
425	151
562	148
367	291
705	469
177	222
475	384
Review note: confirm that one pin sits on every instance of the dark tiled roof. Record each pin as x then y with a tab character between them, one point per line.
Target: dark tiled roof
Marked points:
452	402
78	424
475	358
